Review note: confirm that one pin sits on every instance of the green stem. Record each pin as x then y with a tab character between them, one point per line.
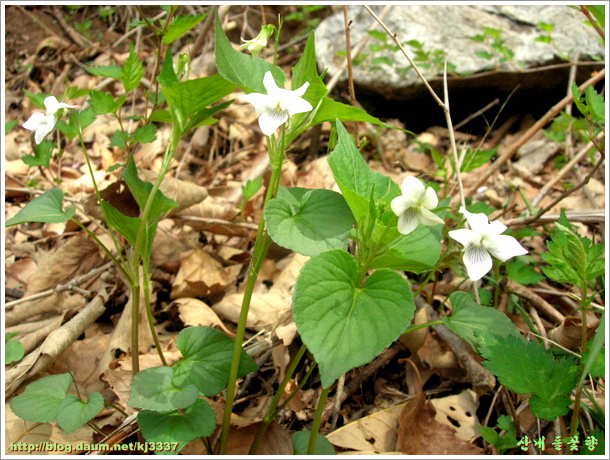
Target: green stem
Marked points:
261	245
295	392
272	409
421	326
135	316
583	309
149	315
315	427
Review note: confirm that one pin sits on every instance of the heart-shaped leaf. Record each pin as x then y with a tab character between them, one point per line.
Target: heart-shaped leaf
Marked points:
161	427
314	222
44	208
74	413
154	389
42	398
207	360
345	325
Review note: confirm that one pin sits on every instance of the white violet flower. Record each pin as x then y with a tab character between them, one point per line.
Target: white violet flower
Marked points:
256	45
414	206
43	123
483	239
278	105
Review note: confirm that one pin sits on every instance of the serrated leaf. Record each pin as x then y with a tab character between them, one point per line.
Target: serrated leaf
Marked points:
309	221
241	69
478	325
44	152
300	443
355	178
161	427
485	55
101	102
120	139
132	71
345	325
207	360
41	400
527	368
109	71
522	273
180	25
154	389
251	187
44	208
36	99
596	104
74	413
477	158
167	77
145	134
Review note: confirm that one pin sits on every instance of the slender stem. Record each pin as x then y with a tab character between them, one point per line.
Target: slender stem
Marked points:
261	246
272	409
295	392
421	326
135	316
583	309
315	427
149	315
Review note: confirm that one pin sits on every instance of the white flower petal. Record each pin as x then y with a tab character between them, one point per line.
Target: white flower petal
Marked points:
270	121
44	129
466	237
51	105
413	188
504	247
301	90
400	204
35	121
478	222
407	222
430	200
66	106
297	105
496	227
261	102
477	261
427	217
270	84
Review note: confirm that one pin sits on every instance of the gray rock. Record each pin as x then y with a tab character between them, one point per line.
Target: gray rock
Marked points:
448	28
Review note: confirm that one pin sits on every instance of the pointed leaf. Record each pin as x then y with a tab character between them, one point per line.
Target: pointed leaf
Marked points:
44	152
345	325
154	389
132	71
207	360
110	71
74	413
241	69
41	400
320	220
181	25
44	208
331	110
167	77
172	427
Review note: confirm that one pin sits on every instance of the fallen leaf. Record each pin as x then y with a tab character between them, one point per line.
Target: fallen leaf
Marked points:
200	275
460	412
266	310
194	312
276	440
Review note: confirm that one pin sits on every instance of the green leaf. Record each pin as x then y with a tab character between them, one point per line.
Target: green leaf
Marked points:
13	349
132	71
478	325
145	134
110	71
355	178
192	96
180	25
331	110
416	252
591	358
309	221
596	103
198	421
44	208
141	191
522	273
207	360
44	152
74	413
306	71
101	102
527	368
120	139
167	77
477	158
300	443
36	99
126	226
345	325
241	69
42	398
378	35
8	126
161	116
382	60
203	116
485	55
546	27
251	187
154	389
